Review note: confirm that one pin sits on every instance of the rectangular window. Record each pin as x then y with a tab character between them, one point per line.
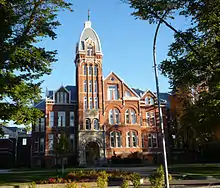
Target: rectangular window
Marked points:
36	144
90	70
152	119
41	144
72	142
90	86
96	103
51	119
85	86
152	140
61	119
50	142
65	97
128	140
113	92
61	97
71	119
112	140
90	103
37	125
42	124
24	141
85	103
148	118
95	86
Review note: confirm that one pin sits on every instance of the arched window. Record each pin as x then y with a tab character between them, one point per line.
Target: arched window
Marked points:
133	117
90	70
85	69
85	103
90	85
95	86
88	124
90	50
114	116
96	124
132	139
127	117
96	103
111	117
95	70
115	139
85	86
151	101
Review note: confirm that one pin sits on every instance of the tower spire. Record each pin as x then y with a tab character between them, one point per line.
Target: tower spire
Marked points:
89	15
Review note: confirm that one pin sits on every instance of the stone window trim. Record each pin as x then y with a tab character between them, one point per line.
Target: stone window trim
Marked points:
153	140
96	124
130	116
132	139
88	124
114	116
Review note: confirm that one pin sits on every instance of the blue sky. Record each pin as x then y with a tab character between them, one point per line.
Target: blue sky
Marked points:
126	44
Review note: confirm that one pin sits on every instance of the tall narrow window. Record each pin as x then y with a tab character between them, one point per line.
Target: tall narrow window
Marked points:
152	140
88	124
134	139
117	116
113	92
142	140
58	97
50	142
128	139
118	139
37	125
61	97
71	119
96	102
90	70
90	103
96	124
36	144
90	50
95	86
95	70
61	119
151	101
111	117
153	122
148	118
85	103
90	86
72	142
127	117
65	97
42	124
51	119
112	139
133	117
41	144
85	69
85	86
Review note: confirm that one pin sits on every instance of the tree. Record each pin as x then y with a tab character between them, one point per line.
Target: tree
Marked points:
193	63
24	23
62	147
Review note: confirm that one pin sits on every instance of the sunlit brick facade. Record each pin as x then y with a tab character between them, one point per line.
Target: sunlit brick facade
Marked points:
110	118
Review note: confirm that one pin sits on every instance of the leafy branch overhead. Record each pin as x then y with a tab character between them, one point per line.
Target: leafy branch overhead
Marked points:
193	62
24	23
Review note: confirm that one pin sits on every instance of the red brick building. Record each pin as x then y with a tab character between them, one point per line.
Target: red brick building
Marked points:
101	117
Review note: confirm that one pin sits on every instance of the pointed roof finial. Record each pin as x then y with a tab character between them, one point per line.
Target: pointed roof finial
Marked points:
88	15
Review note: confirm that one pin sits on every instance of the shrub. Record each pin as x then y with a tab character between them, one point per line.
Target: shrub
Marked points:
157	178
125	184
135	179
102	180
72	185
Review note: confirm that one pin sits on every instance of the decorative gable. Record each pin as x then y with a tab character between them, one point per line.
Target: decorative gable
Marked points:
62	96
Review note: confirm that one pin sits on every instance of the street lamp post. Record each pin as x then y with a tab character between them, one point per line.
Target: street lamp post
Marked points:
159	107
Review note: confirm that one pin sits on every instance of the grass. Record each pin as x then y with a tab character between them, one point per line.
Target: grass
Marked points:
198	170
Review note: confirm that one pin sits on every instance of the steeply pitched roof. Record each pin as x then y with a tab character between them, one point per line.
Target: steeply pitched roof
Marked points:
73	91
41	104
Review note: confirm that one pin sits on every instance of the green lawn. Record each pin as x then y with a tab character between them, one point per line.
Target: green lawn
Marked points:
199	170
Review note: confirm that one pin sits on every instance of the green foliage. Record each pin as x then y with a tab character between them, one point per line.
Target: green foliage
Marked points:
102	181
125	184
193	61
135	179
72	185
23	63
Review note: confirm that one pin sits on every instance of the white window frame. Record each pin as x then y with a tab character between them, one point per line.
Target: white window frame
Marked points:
133	117
153	140
96	124
50	142
85	70
24	141
51	119
85	103
128	139
85	86
113	92
95	86
88	122
96	106
127	117
134	139
90	103
61	119
115	139
148	119
90	86
90	69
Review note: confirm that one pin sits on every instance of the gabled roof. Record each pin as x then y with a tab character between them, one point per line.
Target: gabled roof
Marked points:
112	73
73	91
41	104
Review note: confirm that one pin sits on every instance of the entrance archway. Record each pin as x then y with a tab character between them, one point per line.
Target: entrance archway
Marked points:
92	153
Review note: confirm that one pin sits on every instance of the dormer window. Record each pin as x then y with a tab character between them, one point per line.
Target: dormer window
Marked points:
90	51
149	100
127	94
113	92
61	97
